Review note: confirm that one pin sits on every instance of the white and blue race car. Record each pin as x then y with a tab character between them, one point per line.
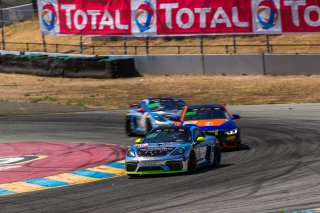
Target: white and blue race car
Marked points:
151	113
172	149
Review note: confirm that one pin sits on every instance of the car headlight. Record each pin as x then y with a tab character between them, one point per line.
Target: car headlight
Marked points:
232	132
131	153
179	151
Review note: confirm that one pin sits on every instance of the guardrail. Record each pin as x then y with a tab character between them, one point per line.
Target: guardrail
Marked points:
14	14
68	66
162	49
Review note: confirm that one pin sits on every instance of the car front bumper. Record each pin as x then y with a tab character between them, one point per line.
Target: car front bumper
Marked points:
226	141
230	142
156	165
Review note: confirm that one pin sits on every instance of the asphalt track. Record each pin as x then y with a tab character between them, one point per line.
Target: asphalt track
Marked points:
278	168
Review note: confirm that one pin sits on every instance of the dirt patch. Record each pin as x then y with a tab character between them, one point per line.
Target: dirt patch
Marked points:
117	93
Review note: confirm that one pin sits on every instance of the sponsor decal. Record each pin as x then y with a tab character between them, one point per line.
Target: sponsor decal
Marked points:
144	146
15	162
49	16
267	14
216	132
178	17
192	113
19	159
144	21
152	135
190	122
202	17
144	18
301	15
149	163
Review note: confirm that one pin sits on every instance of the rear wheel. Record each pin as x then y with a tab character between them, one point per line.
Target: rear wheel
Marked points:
192	162
128	127
217	156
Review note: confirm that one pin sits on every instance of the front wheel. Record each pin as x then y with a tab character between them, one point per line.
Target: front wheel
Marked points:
133	175
128	127
192	162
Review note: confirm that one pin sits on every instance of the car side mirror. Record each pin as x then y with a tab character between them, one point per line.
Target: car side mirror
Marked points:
138	141
201	139
141	110
235	116
177	118
131	105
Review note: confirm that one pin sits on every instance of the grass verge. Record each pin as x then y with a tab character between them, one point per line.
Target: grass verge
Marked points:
117	93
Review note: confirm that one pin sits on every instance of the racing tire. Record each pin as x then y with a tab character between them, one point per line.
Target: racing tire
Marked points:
128	127
192	162
239	145
217	156
133	175
149	126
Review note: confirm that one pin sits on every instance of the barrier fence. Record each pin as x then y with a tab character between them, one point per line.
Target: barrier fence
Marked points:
228	55
202	45
146	49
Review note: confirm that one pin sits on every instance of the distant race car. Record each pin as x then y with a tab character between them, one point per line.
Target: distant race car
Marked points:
213	119
150	113
172	149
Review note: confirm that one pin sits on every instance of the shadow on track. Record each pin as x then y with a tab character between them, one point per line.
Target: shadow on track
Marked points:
198	171
242	147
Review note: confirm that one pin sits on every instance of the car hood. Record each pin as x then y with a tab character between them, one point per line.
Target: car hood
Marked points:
158	149
213	124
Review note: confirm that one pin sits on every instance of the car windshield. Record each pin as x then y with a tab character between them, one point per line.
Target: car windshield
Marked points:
205	113
180	135
165	104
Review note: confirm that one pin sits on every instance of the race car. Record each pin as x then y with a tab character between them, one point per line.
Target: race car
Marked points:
150	113
172	149
213	119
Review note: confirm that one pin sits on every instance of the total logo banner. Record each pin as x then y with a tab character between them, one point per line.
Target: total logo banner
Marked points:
177	17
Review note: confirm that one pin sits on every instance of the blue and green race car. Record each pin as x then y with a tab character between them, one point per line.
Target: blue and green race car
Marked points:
151	113
172	149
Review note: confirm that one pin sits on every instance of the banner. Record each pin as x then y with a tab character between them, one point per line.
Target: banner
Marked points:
143	18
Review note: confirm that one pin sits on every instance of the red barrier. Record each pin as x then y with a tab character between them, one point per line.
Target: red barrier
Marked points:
178	17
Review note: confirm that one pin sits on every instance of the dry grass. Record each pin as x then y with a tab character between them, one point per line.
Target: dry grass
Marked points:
29	31
117	93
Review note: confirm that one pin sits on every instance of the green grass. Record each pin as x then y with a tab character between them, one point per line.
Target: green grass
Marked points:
79	102
44	99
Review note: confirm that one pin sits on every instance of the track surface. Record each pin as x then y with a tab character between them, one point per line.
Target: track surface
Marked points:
278	168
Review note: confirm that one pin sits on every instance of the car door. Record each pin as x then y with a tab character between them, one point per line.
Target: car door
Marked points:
140	115
200	148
